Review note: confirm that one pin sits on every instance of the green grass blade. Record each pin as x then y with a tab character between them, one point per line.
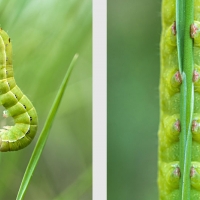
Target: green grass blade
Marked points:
180	18
185	15
44	134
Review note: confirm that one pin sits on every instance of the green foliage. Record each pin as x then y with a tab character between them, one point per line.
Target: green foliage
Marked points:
45	36
133	115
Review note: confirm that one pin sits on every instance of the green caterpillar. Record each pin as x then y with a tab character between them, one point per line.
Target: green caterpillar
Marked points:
170	126
17	105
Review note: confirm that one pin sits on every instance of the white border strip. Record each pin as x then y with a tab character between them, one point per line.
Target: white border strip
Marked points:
99	100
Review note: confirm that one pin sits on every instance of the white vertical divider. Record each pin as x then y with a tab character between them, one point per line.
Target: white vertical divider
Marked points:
99	99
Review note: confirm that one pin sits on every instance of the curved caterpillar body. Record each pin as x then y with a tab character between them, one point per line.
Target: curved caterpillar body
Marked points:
170	127
17	105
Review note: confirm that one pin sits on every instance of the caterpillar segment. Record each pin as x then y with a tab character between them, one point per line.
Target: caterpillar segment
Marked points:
17	105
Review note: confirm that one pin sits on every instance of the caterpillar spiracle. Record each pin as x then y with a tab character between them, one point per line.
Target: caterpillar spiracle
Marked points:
17	105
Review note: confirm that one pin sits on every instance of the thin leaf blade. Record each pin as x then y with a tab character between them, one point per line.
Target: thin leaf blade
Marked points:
44	134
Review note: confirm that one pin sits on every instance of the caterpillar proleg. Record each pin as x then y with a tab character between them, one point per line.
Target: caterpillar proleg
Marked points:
17	105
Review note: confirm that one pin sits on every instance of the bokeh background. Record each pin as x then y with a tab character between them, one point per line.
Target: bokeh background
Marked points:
45	36
134	29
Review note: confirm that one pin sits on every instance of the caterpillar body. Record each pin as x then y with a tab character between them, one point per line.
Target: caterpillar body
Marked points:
17	105
170	127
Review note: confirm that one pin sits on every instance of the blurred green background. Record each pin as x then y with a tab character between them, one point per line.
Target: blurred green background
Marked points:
45	36
134	29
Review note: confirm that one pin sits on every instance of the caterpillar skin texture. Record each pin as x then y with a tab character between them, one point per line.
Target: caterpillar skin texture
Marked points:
170	127
17	105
